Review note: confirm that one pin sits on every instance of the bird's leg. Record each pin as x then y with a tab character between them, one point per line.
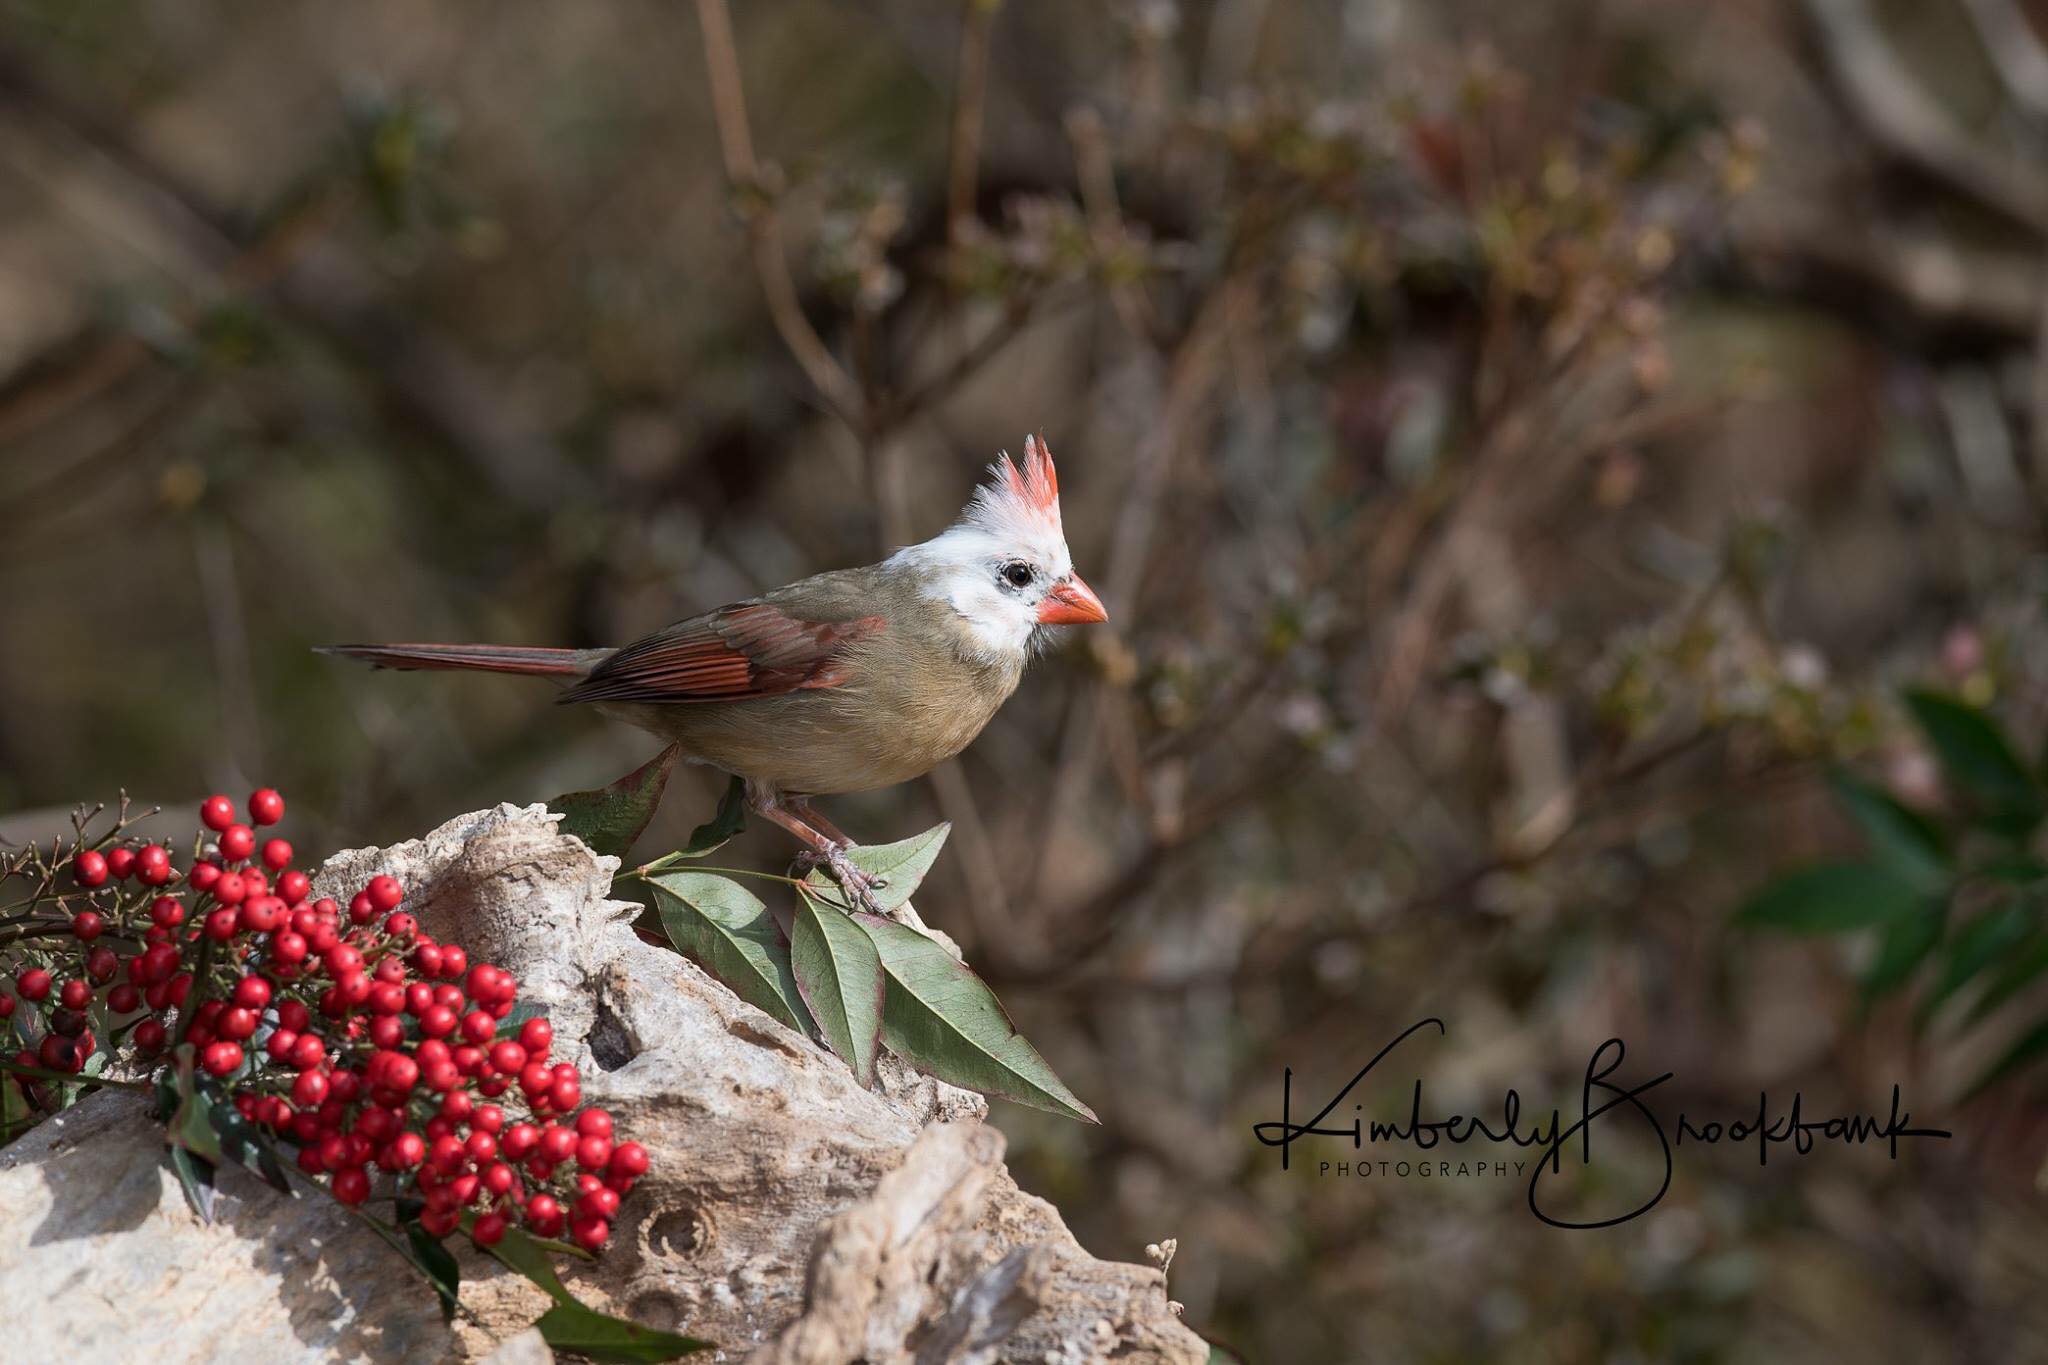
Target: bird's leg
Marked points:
820	849
801	807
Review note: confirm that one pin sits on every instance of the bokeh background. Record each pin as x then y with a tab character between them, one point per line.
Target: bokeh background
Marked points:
1522	448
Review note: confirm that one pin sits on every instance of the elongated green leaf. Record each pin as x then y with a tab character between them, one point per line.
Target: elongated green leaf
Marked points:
2021	968
1907	942
570	1326
241	1141
195	1175
900	865
1978	760
577	1330
716	832
840	974
1901	838
727	929
2028	1047
939	1016
1832	898
439	1263
190	1126
1977	945
612	818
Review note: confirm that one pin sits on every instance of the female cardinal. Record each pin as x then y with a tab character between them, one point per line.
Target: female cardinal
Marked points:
844	681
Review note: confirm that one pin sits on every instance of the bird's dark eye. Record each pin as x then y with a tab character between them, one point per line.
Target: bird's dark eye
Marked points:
1017	573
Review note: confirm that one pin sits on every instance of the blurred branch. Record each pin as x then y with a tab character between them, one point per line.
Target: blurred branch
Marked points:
1907	123
2016	53
425	378
970	99
763	225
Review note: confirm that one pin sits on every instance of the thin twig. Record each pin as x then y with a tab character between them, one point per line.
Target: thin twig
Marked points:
970	98
757	210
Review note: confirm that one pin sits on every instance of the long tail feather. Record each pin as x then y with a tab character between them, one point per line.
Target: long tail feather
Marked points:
534	660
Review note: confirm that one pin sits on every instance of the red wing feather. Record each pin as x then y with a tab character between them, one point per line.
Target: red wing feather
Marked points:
752	650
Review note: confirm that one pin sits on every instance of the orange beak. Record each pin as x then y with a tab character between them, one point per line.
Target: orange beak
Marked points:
1071	603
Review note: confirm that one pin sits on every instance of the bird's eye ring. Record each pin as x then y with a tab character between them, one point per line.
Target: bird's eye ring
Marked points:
1017	573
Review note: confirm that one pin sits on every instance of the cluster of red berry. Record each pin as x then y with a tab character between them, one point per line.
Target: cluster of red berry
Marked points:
347	1031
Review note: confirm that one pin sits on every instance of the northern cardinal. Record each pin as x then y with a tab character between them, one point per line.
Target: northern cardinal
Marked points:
843	681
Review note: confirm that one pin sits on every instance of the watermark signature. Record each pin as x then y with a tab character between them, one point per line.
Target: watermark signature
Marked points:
1603	1101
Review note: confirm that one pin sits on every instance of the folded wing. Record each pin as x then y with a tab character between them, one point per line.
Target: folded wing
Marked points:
749	650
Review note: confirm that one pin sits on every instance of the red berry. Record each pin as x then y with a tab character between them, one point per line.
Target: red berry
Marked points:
260	914
437	1021
387	1031
89	868
593	1152
342	960
167	911
124	999
309	1089
294	1015
278	1046
401	926
6	1007
159	960
405	1151
519	1141
630	1159
594	1123
384	893
221	923
216	813
599	1203
237	1023
33	984
558	1144
266	807
152	865
566	1093
87	925
204	876
237	842
534	1080
426	959
507	1057
454	961
252	992
288	948
230	890
101	963
120	862
149	1035
590	1233
478	1027
351	1186
488	1230
277	853
308	1052
221	1058
536	1035
294	886
543	1209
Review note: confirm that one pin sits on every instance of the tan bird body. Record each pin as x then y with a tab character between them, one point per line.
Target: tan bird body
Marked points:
844	681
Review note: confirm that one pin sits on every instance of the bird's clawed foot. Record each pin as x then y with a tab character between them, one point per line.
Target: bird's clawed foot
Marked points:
857	882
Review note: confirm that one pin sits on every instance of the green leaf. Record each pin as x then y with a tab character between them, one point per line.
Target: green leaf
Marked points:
840	975
940	1017
612	818
1978	944
900	865
572	1328
241	1141
191	1127
196	1176
1832	898
2023	967
1901	839
439	1263
1978	760
729	820
1907	942
2026	1048
727	929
